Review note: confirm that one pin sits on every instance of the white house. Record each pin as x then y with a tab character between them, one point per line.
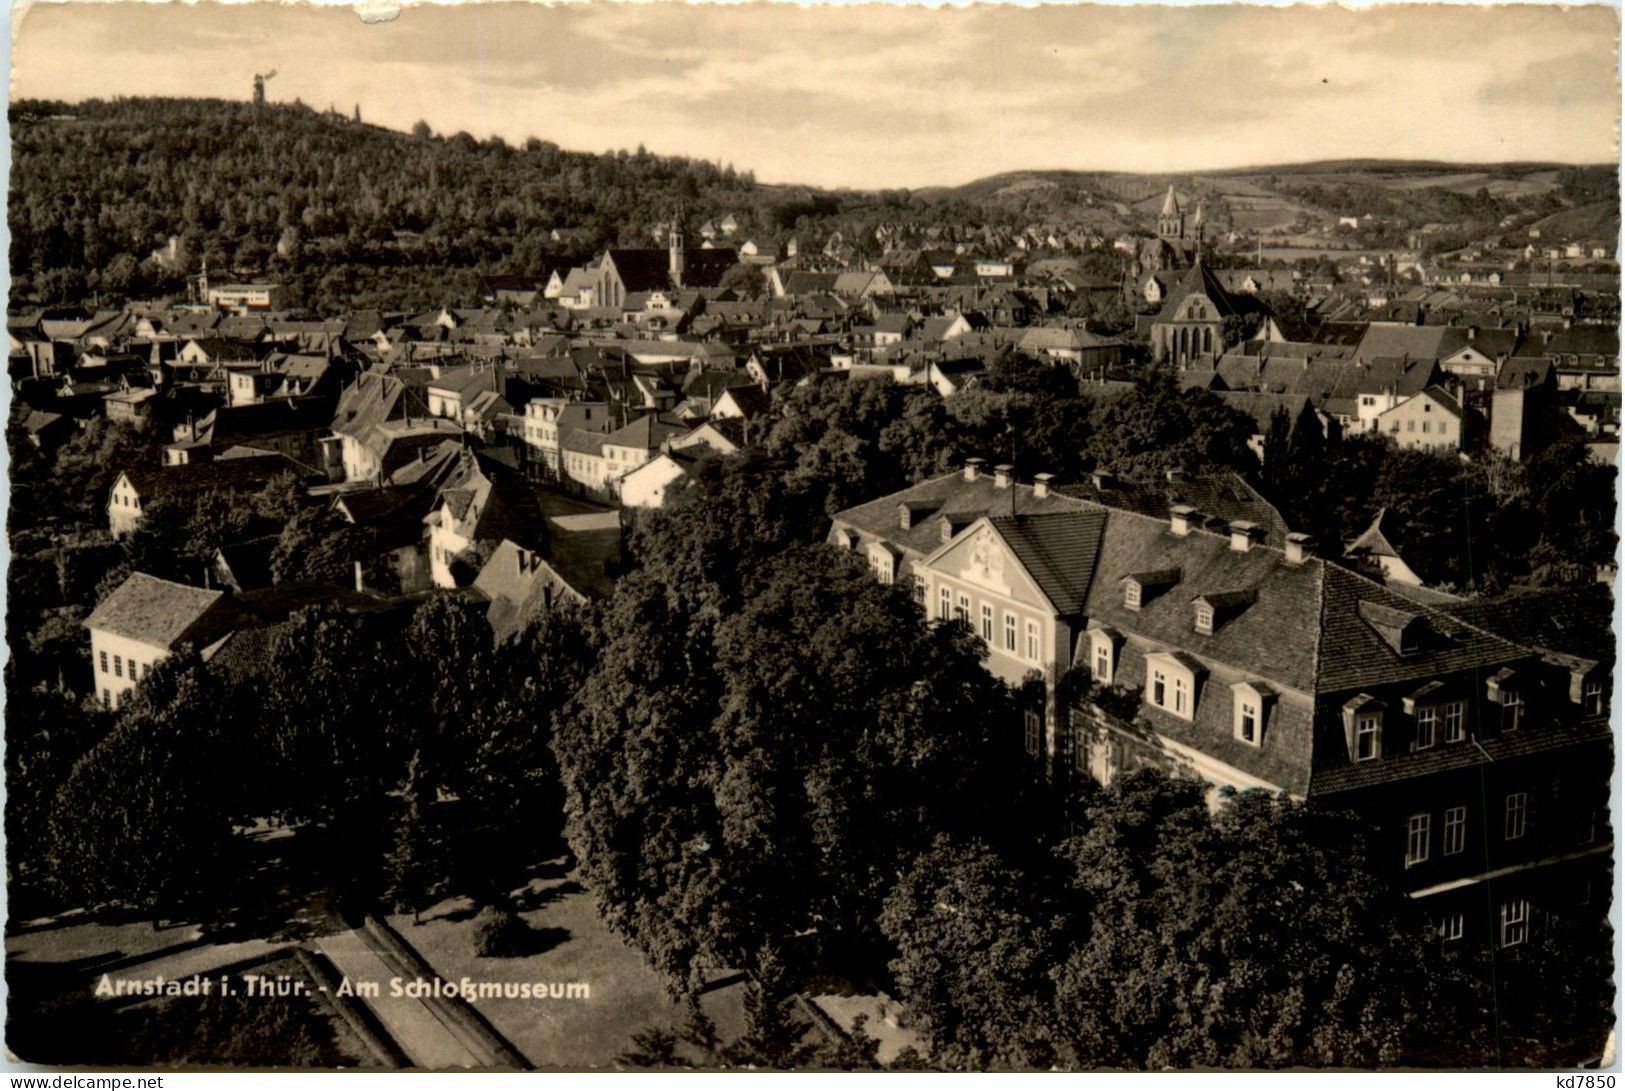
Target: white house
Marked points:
144	620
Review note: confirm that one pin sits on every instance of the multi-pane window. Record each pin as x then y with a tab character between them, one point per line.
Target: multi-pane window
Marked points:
1452	926
1032	641
962	610
987	623
1248	725
1009	632
918	584
1365	738
1455	830
1517	815
1032	732
1131	595
1455	721
104	662
1204	618
1416	839
1591	697
1103	662
1514	922
118	666
1182	696
1427	721
944	603
1511	709
1159	689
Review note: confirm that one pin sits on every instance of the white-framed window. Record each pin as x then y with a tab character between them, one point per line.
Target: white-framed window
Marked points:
1204	618
118	666
1517	815
1367	732
1131	595
1427	722
962	610
1514	922
1591	697
882	565
1452	926
1171	685
1455	830
1511	709
1103	661
1455	721
944	603
1033	650
917	582
103	656
1247	720
1417	831
987	624
1033	731
1009	631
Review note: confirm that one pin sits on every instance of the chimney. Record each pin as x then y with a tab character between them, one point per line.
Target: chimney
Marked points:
1242	534
973	467
1299	548
1001	475
1041	485
1181	517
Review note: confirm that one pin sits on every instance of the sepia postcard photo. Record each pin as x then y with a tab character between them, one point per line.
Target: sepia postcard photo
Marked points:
773	537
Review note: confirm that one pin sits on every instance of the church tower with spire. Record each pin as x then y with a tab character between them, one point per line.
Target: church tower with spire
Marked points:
1171	223
674	248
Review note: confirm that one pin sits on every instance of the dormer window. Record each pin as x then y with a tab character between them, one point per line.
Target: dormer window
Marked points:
883	562
1505	688
1171	683
1362	727
1214	609
1591	697
1103	645
1367	741
1140	587
1251	710
1403	631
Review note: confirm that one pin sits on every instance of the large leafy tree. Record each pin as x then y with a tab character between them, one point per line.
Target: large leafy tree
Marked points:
734	783
1258	935
977	935
144	817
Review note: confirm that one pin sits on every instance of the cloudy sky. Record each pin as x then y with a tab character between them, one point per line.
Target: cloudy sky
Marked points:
887	95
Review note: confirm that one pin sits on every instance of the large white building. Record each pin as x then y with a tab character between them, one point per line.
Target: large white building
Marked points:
143	621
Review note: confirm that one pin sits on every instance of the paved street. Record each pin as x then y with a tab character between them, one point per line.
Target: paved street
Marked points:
410	1022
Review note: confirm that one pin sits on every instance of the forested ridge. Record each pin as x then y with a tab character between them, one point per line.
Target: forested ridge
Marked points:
98	186
337	209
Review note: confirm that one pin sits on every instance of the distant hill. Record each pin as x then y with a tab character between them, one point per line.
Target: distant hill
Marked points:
350	214
98	186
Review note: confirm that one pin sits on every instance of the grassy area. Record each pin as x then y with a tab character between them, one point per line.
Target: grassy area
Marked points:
85	941
572	945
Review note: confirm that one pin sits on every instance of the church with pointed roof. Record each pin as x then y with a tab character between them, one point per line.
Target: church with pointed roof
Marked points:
1191	329
1178	241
